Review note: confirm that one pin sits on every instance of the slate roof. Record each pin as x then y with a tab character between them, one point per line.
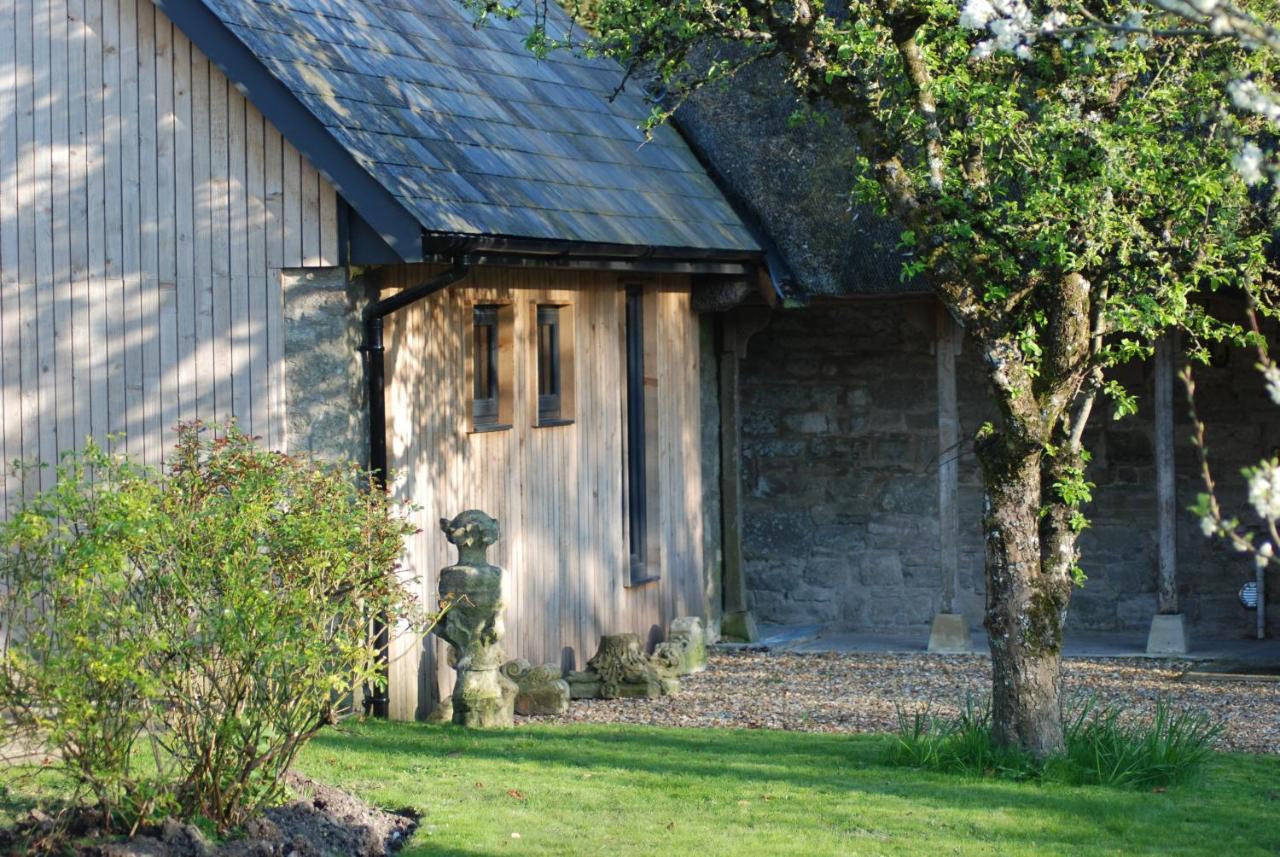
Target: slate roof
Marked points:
473	135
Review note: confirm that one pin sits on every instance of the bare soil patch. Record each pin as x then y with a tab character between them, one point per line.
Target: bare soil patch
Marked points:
322	822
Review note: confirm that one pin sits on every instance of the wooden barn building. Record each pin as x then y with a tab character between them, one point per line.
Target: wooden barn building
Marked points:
370	229
317	215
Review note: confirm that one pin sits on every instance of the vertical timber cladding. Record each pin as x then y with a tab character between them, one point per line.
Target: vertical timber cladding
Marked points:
146	211
558	490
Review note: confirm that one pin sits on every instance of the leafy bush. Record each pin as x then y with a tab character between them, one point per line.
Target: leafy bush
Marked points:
1104	746
174	639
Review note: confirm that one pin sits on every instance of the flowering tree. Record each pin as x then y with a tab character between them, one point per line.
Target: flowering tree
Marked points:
1067	205
1263	481
1009	26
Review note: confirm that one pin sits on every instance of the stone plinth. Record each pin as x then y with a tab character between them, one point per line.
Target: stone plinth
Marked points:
542	691
621	670
685	651
950	635
1168	635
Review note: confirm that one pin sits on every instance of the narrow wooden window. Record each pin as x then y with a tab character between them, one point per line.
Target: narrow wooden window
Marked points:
488	362
551	340
485	376
643	566
549	388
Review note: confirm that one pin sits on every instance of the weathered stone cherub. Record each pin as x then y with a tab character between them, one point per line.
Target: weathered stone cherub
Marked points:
482	696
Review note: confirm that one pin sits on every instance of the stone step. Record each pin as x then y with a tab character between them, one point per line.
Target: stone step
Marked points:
776	637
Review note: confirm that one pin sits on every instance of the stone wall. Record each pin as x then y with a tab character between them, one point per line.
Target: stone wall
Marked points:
324	372
839	467
839	435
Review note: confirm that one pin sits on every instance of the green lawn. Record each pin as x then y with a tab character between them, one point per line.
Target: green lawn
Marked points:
619	790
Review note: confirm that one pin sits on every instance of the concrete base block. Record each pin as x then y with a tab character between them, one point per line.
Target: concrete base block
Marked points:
739	627
950	635
1168	635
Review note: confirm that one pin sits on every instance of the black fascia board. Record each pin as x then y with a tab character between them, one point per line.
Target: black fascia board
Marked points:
363	245
399	229
448	244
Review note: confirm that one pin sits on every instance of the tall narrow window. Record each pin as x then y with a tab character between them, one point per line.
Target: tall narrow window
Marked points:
551	343
485	371
549	387
637	469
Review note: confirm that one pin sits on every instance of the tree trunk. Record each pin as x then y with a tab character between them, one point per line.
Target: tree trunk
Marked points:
1027	595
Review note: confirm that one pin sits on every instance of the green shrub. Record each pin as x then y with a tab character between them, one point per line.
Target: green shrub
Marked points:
174	639
1104	746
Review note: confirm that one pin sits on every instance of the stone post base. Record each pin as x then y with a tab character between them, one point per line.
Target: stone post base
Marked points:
950	635
739	627
1168	635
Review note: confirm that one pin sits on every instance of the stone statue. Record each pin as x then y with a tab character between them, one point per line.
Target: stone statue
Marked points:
542	691
482	695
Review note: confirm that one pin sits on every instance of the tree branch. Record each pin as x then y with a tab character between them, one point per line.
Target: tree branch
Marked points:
904	39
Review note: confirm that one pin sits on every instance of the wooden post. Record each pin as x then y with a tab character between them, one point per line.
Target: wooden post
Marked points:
1168	635
948	472
1166	490
739	326
950	632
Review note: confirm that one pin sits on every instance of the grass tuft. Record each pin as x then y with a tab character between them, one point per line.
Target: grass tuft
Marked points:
956	745
1104	746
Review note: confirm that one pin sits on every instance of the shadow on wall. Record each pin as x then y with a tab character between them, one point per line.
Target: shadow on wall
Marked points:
146	209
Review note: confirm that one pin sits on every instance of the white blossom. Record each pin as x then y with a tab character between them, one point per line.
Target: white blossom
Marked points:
1271	373
1208	526
1054	21
1248	163
976	14
1264	490
983	49
1251	98
1012	27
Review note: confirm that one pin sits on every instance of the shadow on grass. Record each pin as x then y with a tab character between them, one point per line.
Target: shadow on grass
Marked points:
1234	795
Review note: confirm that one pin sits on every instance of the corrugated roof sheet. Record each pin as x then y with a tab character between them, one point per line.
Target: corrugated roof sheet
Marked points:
476	136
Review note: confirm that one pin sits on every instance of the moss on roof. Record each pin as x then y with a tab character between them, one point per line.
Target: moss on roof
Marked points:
795	181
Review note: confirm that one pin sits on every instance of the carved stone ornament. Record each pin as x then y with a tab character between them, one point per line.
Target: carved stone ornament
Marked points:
542	691
482	695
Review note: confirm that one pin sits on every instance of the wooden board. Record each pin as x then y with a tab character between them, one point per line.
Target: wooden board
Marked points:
557	491
143	229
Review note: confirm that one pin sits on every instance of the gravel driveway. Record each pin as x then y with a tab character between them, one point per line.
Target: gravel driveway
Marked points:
859	693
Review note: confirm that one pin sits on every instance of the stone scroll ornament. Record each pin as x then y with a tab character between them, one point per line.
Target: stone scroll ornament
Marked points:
482	695
542	691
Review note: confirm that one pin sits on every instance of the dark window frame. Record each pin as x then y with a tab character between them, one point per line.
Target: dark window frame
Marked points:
486	367
637	494
547	336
